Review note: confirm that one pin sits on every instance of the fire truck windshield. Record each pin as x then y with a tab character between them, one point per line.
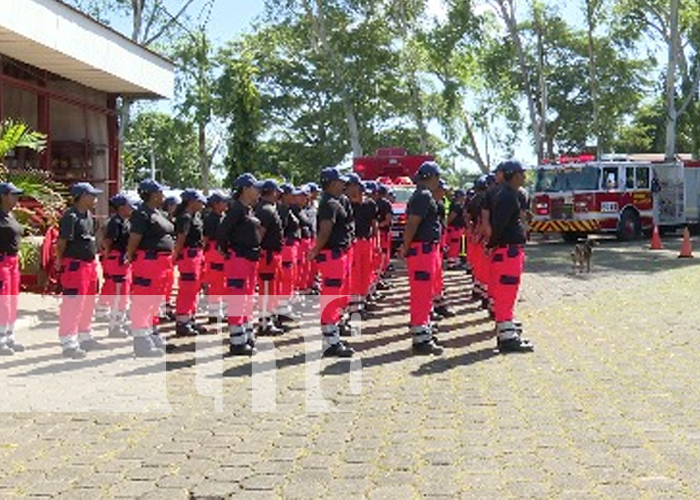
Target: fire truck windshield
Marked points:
552	180
402	194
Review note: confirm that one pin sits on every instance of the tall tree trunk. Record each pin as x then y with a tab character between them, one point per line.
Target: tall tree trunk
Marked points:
671	110
508	13
591	7
203	156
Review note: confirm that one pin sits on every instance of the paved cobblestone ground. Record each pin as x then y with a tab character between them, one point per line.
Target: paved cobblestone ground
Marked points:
607	406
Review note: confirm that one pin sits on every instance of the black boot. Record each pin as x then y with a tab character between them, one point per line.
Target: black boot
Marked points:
144	347
443	311
117	332
427	348
15	346
185	330
90	345
515	344
241	350
339	350
199	329
74	353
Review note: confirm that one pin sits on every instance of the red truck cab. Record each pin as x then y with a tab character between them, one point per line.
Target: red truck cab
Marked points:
395	168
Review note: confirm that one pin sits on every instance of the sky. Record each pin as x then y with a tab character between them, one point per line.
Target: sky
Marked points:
231	17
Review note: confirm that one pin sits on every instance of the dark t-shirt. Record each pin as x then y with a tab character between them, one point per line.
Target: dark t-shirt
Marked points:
458	210
365	215
506	222
384	209
192	227
475	206
269	217
118	231
292	230
240	231
305	223
10	234
155	229
210	223
350	221
78	229
424	205
332	209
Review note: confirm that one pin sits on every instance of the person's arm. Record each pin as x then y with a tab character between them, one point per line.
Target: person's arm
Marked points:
412	223
107	243
451	216
66	230
138	227
132	246
325	228
60	249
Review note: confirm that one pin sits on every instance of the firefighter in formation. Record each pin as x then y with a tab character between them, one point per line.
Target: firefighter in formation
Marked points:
253	256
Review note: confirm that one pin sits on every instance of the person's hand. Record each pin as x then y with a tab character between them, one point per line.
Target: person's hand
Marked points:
313	253
402	251
57	264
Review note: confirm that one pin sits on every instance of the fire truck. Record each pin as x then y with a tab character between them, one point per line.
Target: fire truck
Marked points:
395	168
621	195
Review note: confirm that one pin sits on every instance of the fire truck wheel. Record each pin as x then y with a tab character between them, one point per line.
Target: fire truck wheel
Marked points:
629	227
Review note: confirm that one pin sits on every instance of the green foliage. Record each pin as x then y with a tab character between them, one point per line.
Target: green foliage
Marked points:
14	134
238	102
173	142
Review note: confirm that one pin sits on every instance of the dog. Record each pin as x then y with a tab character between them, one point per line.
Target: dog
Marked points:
581	255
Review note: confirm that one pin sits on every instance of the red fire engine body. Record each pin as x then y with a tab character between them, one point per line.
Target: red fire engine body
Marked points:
621	196
395	168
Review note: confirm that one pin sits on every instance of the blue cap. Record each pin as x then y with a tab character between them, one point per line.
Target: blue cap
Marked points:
459	193
428	169
150	186
192	195
371	186
382	189
9	188
120	200
510	166
217	198
353	178
270	185
287	188
490	179
247	180
171	200
330	174
313	187
443	184
82	188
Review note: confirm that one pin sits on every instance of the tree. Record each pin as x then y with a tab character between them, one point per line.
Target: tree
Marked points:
166	143
238	103
675	26
195	82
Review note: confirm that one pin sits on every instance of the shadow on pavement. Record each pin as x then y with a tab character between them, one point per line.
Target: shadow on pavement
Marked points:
441	364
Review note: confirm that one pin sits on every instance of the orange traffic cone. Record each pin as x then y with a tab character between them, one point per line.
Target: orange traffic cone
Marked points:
655	239
686	247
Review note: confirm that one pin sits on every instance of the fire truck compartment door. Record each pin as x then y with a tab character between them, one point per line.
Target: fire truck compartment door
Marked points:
669	202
